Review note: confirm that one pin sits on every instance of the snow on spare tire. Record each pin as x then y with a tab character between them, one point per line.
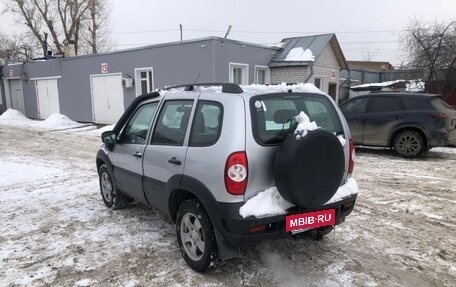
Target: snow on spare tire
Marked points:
309	165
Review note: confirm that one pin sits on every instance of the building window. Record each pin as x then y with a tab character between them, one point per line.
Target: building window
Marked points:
318	82
144	81
239	73
262	75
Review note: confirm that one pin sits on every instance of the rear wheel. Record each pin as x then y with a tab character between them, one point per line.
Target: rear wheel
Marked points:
112	198
195	235
409	144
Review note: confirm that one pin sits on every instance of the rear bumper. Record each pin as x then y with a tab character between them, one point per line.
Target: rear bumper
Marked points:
236	230
439	138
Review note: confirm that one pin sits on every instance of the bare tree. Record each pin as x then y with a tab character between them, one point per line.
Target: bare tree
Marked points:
60	20
97	37
11	50
431	49
368	53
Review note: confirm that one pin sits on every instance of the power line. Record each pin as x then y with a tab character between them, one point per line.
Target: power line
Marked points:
261	32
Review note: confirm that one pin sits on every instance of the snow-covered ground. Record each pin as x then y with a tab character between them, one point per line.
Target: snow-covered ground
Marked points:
55	230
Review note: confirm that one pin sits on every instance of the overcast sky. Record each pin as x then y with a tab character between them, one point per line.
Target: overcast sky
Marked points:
363	27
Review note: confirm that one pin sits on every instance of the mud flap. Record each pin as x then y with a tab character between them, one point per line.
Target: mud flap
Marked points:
224	250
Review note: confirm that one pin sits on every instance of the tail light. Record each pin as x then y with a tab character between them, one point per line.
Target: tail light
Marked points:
236	173
438	115
351	160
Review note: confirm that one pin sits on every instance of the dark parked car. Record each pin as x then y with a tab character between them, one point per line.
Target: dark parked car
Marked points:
411	123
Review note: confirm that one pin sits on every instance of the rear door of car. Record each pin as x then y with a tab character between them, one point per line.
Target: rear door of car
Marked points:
164	156
355	113
385	112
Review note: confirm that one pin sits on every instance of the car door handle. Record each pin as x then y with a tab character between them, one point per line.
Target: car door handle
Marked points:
174	160
137	154
396	117
356	120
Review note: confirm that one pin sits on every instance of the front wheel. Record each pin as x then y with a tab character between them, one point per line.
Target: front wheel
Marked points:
408	144
112	198
195	235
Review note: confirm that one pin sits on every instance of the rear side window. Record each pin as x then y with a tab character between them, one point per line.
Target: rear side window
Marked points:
207	124
413	104
273	115
172	123
386	104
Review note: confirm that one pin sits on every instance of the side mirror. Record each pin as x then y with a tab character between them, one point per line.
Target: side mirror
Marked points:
109	137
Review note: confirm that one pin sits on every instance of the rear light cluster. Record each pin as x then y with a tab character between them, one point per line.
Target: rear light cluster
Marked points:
438	115
351	160
236	173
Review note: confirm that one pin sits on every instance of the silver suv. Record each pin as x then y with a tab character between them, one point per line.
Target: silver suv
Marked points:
200	152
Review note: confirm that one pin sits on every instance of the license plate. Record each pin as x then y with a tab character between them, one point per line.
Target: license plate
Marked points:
306	221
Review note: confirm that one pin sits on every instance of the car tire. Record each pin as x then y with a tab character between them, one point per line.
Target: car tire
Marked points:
111	196
309	171
409	144
196	236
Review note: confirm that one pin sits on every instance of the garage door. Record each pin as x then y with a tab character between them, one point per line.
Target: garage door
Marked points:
48	98
107	98
17	100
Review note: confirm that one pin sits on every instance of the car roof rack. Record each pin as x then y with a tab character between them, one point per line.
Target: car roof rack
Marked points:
226	87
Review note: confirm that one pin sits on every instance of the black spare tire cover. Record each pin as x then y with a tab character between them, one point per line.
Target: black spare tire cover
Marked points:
308	171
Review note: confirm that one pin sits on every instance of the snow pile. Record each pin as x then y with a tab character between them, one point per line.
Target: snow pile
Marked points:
342	140
265	203
270	202
304	125
299	54
53	122
256	89
415	86
282	88
59	121
350	187
13	116
381	85
278	45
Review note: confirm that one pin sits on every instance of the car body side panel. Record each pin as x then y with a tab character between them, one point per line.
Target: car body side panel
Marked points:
128	169
378	127
356	123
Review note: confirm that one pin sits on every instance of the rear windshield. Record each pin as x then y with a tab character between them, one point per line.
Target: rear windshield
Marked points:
439	104
273	115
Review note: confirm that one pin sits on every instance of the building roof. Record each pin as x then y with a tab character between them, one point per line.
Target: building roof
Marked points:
316	44
176	43
377	66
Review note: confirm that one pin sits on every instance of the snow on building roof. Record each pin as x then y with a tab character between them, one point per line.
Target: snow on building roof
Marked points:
315	43
299	54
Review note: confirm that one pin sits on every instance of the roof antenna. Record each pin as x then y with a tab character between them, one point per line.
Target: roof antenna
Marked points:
227	32
196	79
180	28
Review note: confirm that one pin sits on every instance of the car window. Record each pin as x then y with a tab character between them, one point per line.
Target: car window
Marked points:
355	106
207	124
386	104
273	115
135	132
414	104
172	123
